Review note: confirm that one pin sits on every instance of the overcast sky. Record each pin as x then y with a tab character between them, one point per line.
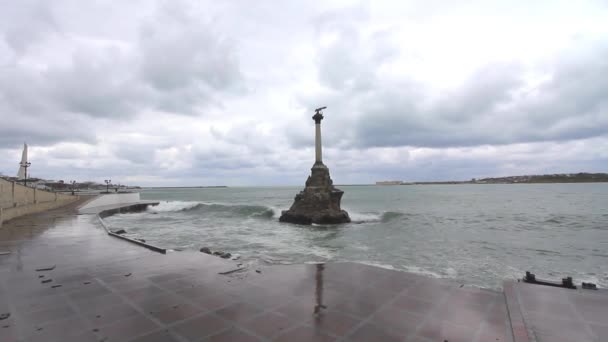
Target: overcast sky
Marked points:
222	92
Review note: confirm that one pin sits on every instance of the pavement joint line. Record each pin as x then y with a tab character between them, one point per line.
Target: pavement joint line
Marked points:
580	316
369	318
132	304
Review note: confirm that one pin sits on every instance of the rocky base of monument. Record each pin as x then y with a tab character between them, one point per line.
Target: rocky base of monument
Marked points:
318	203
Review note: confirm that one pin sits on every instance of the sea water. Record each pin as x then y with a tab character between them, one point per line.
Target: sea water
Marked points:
474	234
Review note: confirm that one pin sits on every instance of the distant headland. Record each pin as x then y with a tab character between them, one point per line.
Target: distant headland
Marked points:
187	187
581	177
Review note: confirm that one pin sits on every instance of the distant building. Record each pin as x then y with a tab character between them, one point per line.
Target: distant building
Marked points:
395	182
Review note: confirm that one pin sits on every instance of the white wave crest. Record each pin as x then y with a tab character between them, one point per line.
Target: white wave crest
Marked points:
376	264
422	271
173	206
363	217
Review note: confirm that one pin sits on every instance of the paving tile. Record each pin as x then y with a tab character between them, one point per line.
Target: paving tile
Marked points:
198	291
233	335
144	293
267	298
86	336
36	304
304	334
357	306
377	295
429	290
8	332
127	328
543	324
398	320
437	330
176	313
180	283
413	305
165	277
239	311
158	303
301	310
473	297
35	318
58	330
129	285
269	324
493	334
93	290
215	301
593	311
107	315
395	283
471	316
334	323
370	332
600	331
200	327
158	336
87	305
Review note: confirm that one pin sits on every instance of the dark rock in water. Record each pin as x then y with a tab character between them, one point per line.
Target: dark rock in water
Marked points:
205	250
218	253
319	202
120	232
225	255
45	269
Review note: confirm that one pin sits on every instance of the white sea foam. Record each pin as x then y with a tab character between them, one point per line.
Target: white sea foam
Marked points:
376	264
173	206
423	271
363	217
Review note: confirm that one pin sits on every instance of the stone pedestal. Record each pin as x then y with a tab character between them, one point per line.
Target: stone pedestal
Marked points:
319	202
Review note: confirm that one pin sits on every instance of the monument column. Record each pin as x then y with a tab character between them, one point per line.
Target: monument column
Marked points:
318	153
319	202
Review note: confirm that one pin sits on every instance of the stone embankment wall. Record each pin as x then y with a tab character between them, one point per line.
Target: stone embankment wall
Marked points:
111	200
17	200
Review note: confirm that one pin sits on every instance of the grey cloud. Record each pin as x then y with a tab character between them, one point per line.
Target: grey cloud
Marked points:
26	24
492	107
176	64
185	52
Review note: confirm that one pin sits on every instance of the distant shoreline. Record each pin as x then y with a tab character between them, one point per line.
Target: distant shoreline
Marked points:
186	187
490	183
527	179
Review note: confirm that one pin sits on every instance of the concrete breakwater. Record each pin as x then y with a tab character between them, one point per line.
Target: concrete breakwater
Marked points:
18	200
111	204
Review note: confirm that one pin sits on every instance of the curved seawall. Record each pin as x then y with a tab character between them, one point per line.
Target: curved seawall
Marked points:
110	204
18	200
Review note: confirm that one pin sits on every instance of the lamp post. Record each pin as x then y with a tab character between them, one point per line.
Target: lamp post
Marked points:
25	165
73	186
108	181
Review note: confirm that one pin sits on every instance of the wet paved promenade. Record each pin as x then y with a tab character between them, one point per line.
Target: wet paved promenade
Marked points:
111	290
